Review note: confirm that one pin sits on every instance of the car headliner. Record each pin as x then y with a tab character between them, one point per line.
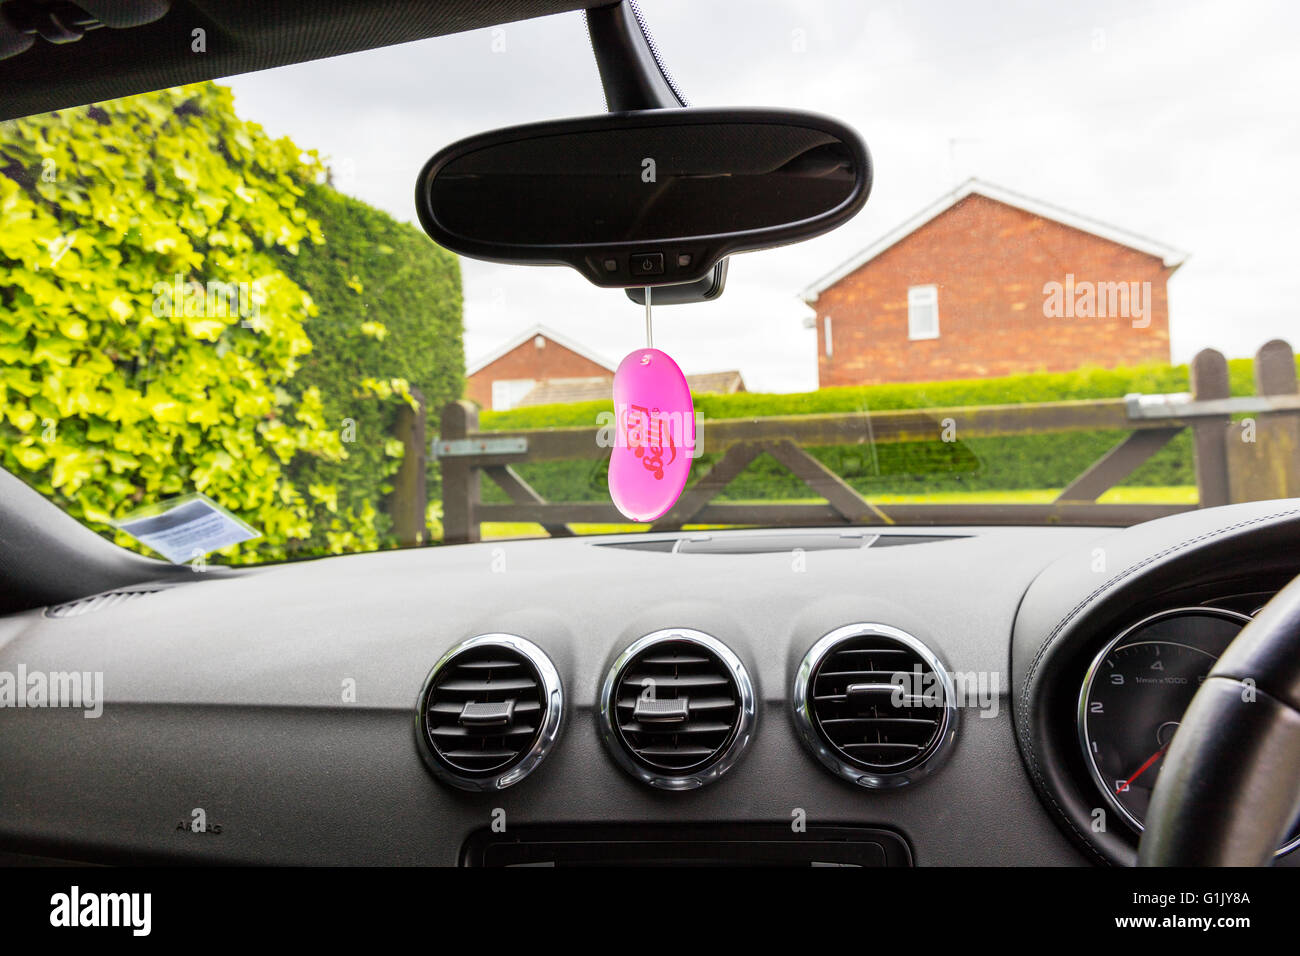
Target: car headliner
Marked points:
241	36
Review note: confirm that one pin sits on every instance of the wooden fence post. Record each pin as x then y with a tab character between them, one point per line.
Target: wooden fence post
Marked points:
409	501
460	480
1209	374
1264	451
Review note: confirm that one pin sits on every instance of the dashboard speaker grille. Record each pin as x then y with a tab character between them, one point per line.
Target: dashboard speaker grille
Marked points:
484	710
676	706
878	703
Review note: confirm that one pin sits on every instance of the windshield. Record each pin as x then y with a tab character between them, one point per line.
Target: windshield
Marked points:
223	338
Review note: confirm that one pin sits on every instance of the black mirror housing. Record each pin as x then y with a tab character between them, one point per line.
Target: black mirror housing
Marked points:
647	198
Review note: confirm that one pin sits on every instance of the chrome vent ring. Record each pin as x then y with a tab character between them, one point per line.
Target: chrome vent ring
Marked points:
874	705
489	712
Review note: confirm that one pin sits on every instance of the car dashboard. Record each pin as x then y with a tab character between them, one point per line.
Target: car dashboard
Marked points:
867	697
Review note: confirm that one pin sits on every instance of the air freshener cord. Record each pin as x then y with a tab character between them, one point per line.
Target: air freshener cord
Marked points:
649	330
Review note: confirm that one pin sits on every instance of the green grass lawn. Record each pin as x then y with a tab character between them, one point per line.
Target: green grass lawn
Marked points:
1159	495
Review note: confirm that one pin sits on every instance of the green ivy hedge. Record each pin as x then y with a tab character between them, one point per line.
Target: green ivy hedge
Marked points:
998	464
152	329
389	309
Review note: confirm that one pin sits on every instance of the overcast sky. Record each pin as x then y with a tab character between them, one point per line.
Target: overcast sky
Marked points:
1176	121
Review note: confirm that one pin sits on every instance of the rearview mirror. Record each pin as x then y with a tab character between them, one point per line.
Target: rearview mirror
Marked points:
649	198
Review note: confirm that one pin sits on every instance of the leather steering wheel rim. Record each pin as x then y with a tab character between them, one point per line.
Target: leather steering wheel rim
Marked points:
1229	791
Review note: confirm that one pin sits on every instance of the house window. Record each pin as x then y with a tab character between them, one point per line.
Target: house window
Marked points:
827	336
923	312
508	392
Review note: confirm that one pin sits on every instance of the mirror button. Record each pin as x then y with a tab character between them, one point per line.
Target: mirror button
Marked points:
648	264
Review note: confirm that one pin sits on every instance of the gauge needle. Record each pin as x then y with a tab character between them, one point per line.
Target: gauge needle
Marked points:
1142	769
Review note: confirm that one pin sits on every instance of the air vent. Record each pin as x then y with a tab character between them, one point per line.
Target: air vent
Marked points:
874	704
99	602
489	712
677	709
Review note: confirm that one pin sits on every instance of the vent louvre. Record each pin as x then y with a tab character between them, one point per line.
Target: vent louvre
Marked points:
864	705
483	675
677	670
873	704
678	708
489	711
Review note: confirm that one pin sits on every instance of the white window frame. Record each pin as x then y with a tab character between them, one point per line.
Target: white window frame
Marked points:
508	392
922	297
827	336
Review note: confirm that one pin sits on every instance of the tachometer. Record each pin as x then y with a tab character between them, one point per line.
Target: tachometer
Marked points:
1134	697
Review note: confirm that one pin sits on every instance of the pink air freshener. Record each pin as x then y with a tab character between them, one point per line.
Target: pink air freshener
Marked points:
654	435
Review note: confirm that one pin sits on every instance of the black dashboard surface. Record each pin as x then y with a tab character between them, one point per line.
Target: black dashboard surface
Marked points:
281	700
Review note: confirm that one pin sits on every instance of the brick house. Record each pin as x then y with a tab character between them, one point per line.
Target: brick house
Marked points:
500	379
541	367
988	282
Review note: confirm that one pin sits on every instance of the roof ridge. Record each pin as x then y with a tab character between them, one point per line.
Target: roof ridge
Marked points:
546	332
1170	256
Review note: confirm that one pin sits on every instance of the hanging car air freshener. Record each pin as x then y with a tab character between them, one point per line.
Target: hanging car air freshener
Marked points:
654	429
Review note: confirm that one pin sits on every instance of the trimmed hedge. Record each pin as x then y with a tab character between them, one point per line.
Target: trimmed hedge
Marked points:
389	310
1012	389
985	464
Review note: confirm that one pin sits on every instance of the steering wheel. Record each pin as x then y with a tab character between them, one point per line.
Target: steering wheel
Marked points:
1229	791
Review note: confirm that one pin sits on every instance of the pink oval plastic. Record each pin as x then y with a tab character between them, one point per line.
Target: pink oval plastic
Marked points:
654	435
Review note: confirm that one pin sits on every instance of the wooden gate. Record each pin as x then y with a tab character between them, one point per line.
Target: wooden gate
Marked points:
1235	460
